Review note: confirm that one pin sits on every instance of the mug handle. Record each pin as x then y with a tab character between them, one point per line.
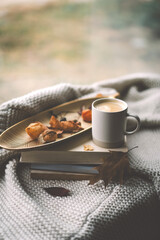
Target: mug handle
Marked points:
138	124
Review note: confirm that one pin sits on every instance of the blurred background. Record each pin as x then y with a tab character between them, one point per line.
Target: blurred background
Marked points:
44	42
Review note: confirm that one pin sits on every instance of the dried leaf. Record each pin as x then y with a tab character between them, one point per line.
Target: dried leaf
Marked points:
99	95
114	167
57	191
88	148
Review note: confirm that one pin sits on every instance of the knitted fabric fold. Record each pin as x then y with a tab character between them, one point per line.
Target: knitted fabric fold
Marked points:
130	211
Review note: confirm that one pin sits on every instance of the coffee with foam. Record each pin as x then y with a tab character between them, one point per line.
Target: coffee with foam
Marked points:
110	106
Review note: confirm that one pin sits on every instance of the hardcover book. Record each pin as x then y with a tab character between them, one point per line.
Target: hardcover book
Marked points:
72	159
77	150
63	171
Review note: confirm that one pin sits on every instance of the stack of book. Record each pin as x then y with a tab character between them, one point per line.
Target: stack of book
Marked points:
72	159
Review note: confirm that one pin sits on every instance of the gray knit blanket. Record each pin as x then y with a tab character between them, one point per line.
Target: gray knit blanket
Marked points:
128	211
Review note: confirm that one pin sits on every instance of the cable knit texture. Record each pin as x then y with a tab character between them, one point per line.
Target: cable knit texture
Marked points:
126	212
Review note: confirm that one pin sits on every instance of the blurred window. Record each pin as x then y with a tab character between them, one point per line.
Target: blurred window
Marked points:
77	41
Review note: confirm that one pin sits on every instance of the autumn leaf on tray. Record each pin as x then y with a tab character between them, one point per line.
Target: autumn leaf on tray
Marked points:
57	191
114	167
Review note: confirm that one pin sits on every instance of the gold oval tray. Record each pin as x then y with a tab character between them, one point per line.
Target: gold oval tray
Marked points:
16	138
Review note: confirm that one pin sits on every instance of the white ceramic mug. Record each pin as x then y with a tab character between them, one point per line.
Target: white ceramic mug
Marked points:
109	122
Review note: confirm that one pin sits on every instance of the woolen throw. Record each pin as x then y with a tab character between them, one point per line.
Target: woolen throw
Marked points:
128	211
